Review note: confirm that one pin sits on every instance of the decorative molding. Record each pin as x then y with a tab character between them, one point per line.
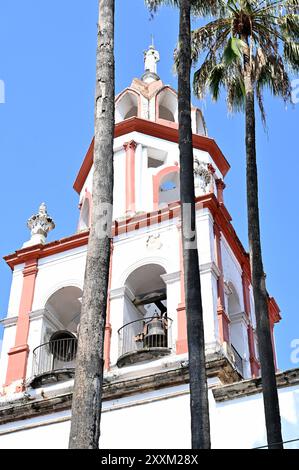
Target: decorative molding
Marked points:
249	387
227	288
121	292
216	364
46	314
202	174
40	225
9	321
210	268
239	317
154	242
169	278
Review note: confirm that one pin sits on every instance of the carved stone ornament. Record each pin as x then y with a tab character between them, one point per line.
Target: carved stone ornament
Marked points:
154	242
202	174
40	225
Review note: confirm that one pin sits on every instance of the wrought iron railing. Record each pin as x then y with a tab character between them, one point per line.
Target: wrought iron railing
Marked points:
55	355
151	334
238	360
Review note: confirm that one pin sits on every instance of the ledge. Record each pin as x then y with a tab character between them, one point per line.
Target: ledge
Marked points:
29	407
254	386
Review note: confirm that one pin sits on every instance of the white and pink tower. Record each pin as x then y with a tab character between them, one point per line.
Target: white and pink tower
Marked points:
146	318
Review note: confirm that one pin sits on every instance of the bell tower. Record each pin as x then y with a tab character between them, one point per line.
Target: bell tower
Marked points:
146	317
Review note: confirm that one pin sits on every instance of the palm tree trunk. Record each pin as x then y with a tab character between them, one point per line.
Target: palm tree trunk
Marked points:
200	424
271	403
87	396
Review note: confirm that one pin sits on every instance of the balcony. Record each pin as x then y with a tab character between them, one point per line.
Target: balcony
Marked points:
238	361
144	340
54	361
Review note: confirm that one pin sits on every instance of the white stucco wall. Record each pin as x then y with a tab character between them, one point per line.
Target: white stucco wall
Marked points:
161	420
131	251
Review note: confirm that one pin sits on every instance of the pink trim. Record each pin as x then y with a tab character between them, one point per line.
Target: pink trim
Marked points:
18	355
254	363
220	185
164	122
274	317
246	295
159	131
157	181
212	171
130	148
182	342
273	344
158	119
223	319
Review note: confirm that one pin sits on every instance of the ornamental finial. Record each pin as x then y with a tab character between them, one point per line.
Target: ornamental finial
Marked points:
40	225
151	59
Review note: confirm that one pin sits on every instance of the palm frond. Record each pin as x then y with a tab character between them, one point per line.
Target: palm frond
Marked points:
260	34
291	54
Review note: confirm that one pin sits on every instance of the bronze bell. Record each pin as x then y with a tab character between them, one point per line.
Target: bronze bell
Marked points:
156	336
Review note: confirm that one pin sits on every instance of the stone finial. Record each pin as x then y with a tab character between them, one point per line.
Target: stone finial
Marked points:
40	225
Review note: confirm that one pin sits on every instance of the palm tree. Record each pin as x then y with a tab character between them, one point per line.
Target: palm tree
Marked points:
87	395
200	423
249	46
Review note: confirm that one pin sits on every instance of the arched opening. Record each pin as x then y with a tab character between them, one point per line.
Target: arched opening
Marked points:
84	222
200	124
55	358
167	106
126	106
169	189
64	307
146	327
63	349
165	113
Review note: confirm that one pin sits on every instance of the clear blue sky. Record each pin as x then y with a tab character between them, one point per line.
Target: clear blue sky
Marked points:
47	60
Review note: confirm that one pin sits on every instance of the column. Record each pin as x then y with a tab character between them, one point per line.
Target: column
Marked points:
130	148
212	171
220	185
18	355
254	364
223	319
108	327
239	339
182	341
172	281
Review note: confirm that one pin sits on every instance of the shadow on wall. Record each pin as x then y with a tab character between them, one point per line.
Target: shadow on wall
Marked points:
240	423
290	424
289	409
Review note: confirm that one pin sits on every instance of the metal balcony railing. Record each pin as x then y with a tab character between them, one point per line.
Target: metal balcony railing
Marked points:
144	339
55	355
238	360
